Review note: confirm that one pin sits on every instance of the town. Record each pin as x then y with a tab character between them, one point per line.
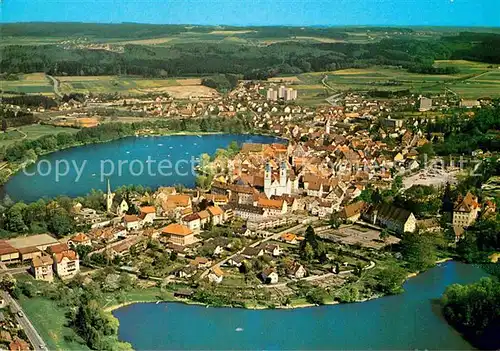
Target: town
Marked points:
345	174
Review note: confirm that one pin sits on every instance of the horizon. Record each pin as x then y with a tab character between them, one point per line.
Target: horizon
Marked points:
222	25
258	13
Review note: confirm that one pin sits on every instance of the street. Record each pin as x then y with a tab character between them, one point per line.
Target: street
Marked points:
33	336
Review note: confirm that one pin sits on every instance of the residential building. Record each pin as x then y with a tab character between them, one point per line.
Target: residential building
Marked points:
179	234
148	214
269	276
41	267
391	217
192	221
465	210
131	222
216	275
79	239
66	264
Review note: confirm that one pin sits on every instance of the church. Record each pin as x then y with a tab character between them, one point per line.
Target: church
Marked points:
278	185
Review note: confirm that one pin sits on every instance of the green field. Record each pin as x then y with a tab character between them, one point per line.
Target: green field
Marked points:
51	323
108	84
33	83
474	80
31	132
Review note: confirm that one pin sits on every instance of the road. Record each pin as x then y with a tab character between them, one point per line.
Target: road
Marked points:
33	336
55	83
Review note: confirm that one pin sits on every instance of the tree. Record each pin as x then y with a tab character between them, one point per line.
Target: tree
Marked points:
61	223
390	279
14	221
307	253
418	250
316	296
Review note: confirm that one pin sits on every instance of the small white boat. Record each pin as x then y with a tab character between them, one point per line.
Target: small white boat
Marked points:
160	144
170	147
198	135
157	302
239	329
128	152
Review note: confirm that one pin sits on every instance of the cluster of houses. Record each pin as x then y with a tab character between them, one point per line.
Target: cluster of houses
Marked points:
46	255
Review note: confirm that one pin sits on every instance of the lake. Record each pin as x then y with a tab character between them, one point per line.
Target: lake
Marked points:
88	166
406	322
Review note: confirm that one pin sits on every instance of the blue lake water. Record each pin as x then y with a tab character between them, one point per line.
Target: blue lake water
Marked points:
97	157
405	322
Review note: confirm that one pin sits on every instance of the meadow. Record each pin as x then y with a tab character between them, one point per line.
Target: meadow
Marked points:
32	83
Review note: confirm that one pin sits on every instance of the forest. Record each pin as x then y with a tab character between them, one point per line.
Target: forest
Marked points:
234	57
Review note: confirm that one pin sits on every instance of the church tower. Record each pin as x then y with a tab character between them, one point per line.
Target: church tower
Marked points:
109	198
267	179
283	177
327	126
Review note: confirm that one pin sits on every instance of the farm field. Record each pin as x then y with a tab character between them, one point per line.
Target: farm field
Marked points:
31	132
178	88
33	83
474	80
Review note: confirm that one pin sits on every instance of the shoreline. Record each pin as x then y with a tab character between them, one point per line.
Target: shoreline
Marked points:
262	307
15	168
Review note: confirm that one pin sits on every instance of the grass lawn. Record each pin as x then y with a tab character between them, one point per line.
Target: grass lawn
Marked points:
50	322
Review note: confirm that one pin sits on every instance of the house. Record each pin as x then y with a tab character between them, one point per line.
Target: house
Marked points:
66	264
236	261
269	276
290	238
273	249
465	210
131	222
79	239
200	262
391	217
7	252
216	275
184	293
204	218
185	272
19	344
41	267
179	234
352	212
216	214
250	252
28	253
192	221
273	207
148	214
296	270
122	248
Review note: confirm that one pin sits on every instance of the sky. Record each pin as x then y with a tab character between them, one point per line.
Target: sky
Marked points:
258	12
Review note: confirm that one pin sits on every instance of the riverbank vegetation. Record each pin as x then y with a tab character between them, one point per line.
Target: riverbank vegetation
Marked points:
474	310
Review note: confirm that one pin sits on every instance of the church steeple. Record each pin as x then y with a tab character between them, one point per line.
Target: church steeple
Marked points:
109	198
